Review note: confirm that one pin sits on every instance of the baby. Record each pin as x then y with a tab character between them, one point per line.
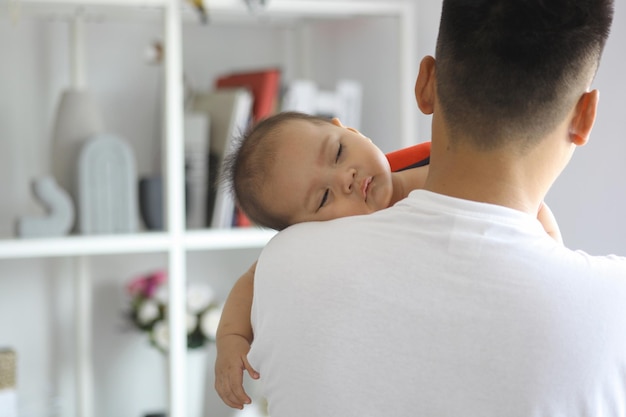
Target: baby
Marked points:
293	168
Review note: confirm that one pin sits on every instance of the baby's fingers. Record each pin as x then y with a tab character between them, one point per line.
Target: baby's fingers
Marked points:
232	394
251	371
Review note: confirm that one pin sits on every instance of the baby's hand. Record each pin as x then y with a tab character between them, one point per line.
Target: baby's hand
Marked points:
231	361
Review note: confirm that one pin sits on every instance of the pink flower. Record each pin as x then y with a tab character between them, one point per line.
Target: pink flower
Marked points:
146	285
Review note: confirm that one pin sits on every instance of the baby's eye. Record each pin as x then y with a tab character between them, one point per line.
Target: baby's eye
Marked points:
339	151
324	199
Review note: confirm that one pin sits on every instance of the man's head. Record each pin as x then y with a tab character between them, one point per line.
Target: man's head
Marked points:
294	167
513	69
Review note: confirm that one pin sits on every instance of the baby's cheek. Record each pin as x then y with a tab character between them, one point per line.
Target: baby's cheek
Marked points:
349	207
381	197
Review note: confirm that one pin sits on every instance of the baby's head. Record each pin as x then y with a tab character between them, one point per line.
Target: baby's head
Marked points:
293	167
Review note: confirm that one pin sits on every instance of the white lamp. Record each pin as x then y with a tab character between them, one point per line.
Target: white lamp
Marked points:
77	118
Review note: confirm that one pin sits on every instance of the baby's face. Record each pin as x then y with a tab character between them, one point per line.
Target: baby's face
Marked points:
325	171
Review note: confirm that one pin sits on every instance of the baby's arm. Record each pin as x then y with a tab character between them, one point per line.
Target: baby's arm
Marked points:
234	337
549	223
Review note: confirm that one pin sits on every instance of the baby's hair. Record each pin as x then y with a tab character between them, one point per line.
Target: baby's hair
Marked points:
247	167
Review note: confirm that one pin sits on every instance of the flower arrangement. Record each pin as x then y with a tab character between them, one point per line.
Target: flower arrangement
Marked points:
148	311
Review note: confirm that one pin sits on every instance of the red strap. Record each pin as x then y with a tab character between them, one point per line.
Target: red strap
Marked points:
403	158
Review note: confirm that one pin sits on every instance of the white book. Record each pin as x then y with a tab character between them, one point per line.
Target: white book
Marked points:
196	168
344	102
229	110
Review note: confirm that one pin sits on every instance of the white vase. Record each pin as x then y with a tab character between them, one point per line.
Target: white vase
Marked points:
196	361
107	186
77	119
196	381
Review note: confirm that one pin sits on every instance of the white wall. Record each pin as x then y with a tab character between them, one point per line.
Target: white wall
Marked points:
35	295
589	199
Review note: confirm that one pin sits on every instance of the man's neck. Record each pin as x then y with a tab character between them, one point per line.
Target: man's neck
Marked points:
495	177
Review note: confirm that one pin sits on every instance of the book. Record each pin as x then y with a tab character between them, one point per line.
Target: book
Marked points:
264	85
344	102
229	110
196	170
8	386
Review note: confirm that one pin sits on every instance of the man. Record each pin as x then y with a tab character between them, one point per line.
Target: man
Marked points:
454	302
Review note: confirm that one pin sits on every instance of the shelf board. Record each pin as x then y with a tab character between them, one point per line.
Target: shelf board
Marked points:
90	10
328	9
219	10
92	3
290	11
83	245
218	239
149	242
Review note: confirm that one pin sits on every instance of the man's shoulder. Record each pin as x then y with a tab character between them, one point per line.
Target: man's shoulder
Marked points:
324	235
333	227
294	235
606	264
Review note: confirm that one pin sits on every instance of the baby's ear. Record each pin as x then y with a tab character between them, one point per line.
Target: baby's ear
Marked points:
336	122
356	131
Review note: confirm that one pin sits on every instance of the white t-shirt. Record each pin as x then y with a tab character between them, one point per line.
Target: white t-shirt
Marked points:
438	307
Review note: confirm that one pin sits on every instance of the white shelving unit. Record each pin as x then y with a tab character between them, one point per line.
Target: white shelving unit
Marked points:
175	242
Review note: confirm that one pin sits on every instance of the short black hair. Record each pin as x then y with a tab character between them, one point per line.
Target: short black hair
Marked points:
247	168
513	68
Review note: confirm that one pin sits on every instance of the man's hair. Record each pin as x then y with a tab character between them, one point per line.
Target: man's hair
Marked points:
512	69
247	168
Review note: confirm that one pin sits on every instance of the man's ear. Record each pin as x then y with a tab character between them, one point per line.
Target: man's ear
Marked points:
584	117
425	85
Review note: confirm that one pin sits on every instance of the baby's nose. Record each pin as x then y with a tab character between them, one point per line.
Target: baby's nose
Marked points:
346	180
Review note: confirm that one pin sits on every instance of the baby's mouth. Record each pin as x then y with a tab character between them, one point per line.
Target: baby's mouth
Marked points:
365	186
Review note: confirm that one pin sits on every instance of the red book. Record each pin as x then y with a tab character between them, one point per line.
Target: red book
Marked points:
264	85
241	220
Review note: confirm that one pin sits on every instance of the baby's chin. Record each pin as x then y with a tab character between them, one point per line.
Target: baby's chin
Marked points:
379	198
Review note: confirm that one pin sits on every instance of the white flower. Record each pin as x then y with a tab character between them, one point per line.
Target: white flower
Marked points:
198	297
209	322
161	335
192	322
148	312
